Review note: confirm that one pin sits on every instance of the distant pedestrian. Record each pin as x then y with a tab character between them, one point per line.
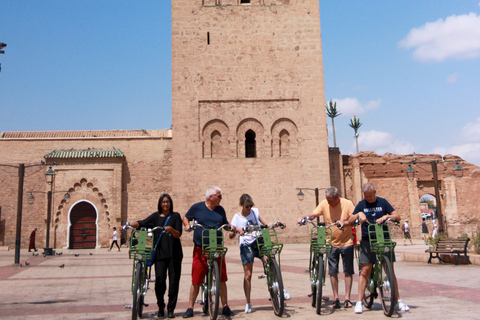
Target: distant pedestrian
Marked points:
435	229
424	231
114	239
406	233
32	241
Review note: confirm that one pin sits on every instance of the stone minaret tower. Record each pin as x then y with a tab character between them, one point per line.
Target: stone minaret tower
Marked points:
248	104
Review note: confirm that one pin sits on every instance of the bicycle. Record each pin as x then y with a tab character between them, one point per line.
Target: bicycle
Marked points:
213	249
141	246
269	247
320	245
381	276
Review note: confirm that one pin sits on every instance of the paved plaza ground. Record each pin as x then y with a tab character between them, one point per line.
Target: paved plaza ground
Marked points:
97	286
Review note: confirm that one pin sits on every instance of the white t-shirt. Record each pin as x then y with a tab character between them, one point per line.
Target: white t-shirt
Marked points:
114	235
407	227
239	221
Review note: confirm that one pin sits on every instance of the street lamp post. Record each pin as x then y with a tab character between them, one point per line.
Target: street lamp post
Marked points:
458	173
301	196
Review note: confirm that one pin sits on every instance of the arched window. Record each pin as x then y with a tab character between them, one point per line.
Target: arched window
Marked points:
284	143
216	149
250	144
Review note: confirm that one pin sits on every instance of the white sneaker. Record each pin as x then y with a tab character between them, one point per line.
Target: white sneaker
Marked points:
402	306
248	308
286	294
359	307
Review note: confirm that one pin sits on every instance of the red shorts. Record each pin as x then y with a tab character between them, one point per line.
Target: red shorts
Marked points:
199	267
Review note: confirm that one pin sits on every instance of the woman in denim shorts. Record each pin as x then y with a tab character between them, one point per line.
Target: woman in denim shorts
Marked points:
247	242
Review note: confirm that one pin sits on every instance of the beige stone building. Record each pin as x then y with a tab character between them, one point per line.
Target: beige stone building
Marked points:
247	115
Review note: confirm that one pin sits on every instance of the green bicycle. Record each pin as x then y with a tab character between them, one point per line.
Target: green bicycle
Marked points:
381	276
320	245
213	249
269	247
141	245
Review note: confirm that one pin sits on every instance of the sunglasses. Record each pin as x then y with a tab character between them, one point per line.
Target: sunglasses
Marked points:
247	206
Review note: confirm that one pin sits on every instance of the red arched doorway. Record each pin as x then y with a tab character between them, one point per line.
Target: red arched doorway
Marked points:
83	228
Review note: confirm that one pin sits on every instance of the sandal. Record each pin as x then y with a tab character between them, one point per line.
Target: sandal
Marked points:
347	304
336	304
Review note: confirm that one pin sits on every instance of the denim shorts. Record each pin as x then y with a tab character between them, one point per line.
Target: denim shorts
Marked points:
347	260
248	253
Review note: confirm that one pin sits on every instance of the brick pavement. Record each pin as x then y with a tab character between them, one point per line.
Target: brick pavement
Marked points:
97	287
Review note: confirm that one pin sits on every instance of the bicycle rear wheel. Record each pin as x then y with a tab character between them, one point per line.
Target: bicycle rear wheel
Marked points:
319	283
213	288
275	287
386	286
313	280
370	290
136	291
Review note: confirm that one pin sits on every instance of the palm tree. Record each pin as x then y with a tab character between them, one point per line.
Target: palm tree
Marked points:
355	124
332	112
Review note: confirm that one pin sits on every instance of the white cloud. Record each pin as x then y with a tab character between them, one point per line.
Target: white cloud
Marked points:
383	142
455	37
471	131
452	78
351	106
468	147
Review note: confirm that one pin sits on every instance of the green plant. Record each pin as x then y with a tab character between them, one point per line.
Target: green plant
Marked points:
434	241
475	241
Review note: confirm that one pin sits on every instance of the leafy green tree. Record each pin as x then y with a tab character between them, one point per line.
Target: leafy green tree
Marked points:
355	124
427	201
332	112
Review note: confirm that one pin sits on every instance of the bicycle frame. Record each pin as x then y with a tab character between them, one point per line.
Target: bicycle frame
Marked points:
269	248
212	248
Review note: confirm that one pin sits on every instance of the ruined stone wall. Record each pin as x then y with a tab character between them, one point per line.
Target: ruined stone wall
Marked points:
461	211
253	67
121	189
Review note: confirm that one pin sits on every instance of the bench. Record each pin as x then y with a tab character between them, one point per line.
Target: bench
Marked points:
450	246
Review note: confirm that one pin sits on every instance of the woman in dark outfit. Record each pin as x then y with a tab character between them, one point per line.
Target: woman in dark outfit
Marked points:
169	253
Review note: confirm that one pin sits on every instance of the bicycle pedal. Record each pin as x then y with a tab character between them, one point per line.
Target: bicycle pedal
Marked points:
306	271
325	298
262	276
128	306
310	295
146	305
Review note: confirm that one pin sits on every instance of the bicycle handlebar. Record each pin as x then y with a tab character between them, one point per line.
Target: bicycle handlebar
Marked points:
252	228
357	222
320	224
128	226
195	225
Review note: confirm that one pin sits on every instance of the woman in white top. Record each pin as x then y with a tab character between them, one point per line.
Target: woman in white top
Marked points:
247	242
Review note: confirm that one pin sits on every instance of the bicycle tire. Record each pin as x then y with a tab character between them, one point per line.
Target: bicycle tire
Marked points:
313	280
205	296
370	290
213	288
136	291
386	286
275	287
319	284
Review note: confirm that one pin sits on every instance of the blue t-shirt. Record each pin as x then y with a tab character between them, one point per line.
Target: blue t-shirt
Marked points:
206	217
373	211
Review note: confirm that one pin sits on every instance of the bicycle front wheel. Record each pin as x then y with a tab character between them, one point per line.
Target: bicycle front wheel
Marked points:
370	290
275	287
386	285
203	287
313	280
319	283
136	291
213	288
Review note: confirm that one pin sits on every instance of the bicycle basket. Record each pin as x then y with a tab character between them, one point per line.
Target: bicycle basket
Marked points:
212	243
268	243
321	240
141	243
380	239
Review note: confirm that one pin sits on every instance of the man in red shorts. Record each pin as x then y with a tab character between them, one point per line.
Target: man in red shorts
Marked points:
207	213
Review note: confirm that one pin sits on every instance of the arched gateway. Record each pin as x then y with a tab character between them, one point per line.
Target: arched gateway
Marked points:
83	226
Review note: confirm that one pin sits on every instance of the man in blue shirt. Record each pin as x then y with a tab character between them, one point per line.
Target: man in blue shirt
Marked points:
207	213
375	210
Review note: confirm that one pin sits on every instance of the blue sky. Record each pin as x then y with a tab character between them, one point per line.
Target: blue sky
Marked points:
410	70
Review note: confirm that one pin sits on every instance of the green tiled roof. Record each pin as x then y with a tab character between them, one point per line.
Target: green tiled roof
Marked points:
86	153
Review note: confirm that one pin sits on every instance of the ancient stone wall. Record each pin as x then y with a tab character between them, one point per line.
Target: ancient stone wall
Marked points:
119	188
248	70
461	212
